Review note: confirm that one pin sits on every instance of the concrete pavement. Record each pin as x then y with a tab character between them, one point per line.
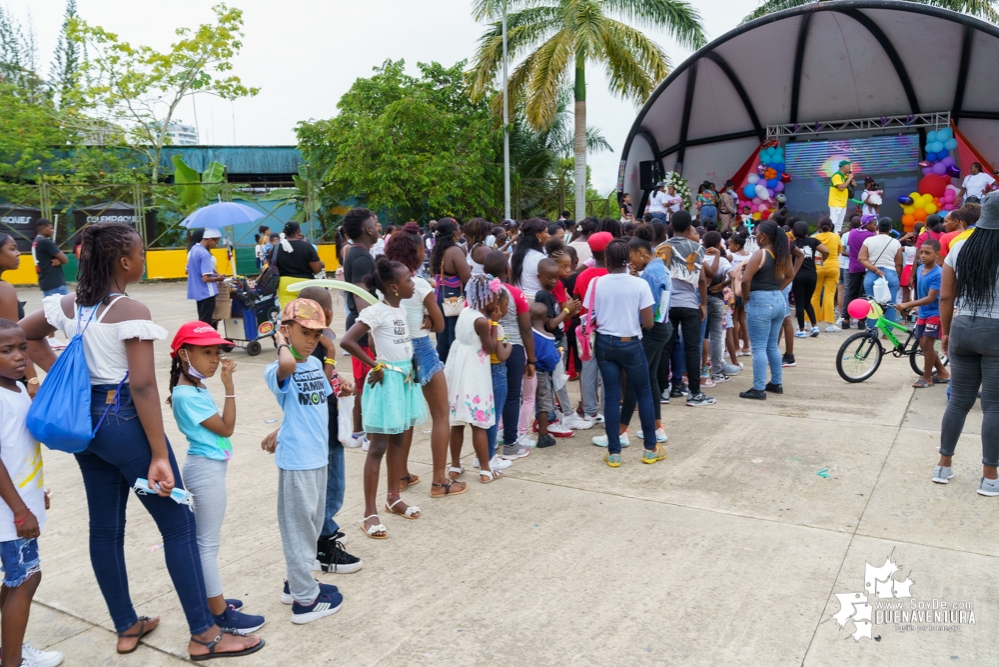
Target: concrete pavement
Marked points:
732	551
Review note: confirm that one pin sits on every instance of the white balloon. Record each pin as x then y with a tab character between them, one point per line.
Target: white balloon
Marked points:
753	179
761	192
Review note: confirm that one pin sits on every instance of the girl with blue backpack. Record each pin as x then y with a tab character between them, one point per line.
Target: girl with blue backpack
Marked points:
128	447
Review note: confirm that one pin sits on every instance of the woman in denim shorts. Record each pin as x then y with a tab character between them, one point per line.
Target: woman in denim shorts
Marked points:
424	315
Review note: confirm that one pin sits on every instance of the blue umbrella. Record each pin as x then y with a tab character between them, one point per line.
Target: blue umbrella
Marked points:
222	214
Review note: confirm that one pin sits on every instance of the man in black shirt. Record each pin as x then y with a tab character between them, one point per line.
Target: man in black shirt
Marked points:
49	260
361	228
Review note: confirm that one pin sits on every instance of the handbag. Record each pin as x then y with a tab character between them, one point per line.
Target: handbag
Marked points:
588	330
452	305
59	416
270	279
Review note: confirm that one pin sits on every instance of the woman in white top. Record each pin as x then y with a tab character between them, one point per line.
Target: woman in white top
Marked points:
423	316
476	233
622	306
881	255
527	255
130	442
871	198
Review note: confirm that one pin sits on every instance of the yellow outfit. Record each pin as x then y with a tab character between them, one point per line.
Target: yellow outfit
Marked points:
284	296
837	197
827	277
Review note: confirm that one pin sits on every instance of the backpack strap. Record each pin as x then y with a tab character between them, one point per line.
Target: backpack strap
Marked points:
113	302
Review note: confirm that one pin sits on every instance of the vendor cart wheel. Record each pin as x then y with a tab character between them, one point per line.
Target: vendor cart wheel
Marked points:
253	348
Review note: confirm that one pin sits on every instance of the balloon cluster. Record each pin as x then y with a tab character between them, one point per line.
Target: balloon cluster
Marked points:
935	191
763	189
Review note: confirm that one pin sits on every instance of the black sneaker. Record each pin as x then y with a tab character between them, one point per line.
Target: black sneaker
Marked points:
679	392
756	394
787	360
699	400
775	388
545	441
332	558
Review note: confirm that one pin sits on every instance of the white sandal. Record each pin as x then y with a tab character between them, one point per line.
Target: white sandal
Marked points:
377	528
408	514
452	469
493	475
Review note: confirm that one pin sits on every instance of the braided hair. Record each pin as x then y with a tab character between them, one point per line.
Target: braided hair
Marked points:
528	241
978	270
102	245
176	370
482	288
617	254
612	226
443	239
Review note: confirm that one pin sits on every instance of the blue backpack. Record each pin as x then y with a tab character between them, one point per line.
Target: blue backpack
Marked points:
59	416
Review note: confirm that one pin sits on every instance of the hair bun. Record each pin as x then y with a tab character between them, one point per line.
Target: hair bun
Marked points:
412	227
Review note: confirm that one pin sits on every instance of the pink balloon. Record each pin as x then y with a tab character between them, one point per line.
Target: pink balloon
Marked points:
757	201
949	196
859	308
762	207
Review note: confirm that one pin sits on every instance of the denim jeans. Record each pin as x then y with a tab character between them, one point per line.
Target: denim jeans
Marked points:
654	342
661	217
336	483
615	356
687	321
974	363
114	459
892	279
499	398
765	314
55	290
515	364
709	213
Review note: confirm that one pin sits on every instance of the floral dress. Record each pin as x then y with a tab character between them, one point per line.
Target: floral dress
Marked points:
469	376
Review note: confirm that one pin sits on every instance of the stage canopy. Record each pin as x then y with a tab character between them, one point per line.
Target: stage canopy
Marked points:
834	60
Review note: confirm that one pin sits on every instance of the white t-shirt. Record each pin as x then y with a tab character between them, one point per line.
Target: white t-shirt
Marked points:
529	282
388	325
22	456
951	261
869	209
583	251
414	308
881	251
974	184
657	202
844	260
618	299
674	203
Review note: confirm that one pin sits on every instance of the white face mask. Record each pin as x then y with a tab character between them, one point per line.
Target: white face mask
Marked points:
191	370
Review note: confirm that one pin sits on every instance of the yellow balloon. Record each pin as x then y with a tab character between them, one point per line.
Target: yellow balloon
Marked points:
930	208
909	210
915	196
756	216
927	199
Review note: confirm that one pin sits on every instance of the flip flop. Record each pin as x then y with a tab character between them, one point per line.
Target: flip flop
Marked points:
447	490
410	480
921	384
228	654
937	380
137	635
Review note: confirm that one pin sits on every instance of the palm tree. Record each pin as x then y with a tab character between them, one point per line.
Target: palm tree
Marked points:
984	9
557	38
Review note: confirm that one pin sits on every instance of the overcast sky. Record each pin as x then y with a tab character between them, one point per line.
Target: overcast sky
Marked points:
305	54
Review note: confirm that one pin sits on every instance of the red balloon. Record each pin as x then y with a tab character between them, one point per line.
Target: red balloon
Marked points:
785	178
765	215
933	185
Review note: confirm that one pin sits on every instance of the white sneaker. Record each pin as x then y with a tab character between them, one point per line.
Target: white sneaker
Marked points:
37	658
832	328
559	430
358	441
601	440
597	418
495	464
660	435
520	453
576	423
527	441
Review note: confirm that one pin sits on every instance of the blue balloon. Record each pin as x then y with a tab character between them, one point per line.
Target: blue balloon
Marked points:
950	144
749	191
772	183
931	136
780	167
936	146
944	134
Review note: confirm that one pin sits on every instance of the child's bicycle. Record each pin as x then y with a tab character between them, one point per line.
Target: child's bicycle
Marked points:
860	354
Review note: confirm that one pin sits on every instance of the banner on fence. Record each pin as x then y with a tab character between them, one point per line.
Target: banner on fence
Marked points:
20	222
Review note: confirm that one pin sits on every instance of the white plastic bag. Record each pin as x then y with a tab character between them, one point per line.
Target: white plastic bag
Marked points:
882	293
345	418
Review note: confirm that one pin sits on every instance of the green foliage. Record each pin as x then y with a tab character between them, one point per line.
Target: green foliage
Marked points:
305	196
983	9
418	148
139	88
64	72
191	190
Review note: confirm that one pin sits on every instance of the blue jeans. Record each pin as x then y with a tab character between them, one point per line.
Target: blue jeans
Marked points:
765	314
515	365
20	561
892	279
499	398
709	213
614	356
114	459
55	290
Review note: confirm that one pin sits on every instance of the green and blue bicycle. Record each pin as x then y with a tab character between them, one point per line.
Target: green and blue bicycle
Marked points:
860	355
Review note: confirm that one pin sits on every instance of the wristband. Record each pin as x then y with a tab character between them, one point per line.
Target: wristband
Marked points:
532	363
493	323
230	395
18	522
376	367
283	345
566	311
328	360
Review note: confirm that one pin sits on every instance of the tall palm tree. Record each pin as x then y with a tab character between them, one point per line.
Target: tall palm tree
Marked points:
557	38
984	9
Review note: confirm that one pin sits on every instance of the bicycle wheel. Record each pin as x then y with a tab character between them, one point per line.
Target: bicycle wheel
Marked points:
859	356
916	359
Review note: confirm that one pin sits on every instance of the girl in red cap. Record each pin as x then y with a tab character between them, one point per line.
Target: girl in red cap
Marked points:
197	355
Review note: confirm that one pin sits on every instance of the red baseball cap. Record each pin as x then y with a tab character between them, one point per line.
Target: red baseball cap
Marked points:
599	241
196	333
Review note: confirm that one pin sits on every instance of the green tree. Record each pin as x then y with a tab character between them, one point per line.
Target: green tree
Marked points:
415	147
557	38
985	9
139	88
64	72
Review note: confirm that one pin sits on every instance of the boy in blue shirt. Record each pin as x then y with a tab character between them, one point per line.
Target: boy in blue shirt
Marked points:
928	317
301	454
548	358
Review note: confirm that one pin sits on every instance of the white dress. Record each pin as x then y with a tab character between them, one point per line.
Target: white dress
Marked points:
469	376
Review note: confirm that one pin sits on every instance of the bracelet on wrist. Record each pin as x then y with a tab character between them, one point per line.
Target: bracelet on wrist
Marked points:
230	395
566	311
532	363
493	323
376	367
330	361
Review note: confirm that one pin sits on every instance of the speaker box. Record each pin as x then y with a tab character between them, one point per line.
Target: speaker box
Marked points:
648	174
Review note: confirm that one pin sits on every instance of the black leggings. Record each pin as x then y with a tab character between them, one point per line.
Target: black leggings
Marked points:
803	288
